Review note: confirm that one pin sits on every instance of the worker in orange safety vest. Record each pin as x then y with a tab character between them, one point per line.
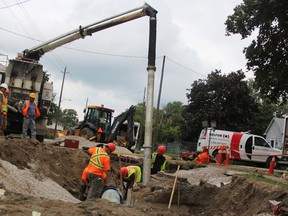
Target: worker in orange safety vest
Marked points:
98	165
30	112
131	175
203	157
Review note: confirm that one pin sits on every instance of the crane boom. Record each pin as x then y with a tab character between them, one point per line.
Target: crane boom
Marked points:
36	52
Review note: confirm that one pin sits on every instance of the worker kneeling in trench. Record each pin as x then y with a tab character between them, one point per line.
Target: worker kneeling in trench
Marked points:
131	176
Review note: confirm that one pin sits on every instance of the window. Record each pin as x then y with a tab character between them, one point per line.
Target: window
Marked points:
259	141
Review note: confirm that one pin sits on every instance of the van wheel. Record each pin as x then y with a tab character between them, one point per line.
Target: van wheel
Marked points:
268	161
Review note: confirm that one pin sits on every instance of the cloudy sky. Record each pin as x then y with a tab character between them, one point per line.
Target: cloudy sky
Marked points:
109	67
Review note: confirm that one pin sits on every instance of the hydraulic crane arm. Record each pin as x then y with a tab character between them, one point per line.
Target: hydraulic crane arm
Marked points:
36	52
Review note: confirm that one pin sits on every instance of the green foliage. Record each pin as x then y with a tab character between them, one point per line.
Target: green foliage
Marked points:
169	122
221	98
267	55
52	113
69	118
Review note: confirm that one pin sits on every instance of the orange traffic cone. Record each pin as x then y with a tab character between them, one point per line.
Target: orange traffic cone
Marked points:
227	162
272	164
219	156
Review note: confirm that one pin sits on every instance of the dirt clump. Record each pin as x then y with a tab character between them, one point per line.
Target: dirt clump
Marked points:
44	178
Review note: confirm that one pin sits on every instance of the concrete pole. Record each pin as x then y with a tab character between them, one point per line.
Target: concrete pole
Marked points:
148	126
150	93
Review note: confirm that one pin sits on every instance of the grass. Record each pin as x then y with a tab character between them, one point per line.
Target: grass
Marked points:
261	177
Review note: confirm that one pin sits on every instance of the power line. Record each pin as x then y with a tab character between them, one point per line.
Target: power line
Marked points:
12	5
187	68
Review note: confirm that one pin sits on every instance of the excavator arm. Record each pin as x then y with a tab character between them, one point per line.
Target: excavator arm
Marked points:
36	52
118	121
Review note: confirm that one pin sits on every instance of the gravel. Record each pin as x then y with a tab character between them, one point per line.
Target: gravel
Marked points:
26	182
210	174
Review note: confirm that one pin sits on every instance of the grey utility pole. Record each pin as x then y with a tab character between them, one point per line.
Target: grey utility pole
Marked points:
59	104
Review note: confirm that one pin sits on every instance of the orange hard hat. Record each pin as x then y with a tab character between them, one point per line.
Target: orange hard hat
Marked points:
111	146
161	149
124	171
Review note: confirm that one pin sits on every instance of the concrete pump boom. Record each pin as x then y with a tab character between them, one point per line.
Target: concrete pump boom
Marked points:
36	52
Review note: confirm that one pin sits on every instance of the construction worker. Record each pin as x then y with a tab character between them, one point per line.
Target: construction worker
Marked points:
203	157
3	108
158	161
85	184
98	165
30	111
131	175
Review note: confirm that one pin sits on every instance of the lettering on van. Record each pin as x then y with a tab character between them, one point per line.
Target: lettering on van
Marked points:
224	136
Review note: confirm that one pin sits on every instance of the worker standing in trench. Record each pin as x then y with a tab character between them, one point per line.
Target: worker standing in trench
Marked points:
158	161
98	165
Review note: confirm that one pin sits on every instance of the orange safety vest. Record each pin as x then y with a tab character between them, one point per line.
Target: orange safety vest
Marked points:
25	110
203	158
99	161
4	104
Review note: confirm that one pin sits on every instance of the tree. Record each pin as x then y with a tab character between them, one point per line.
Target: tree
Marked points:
69	118
169	127
52	113
267	55
222	98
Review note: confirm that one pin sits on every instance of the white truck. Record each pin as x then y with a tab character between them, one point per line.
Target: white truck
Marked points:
241	146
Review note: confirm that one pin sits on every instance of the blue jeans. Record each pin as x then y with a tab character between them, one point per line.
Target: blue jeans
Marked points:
29	123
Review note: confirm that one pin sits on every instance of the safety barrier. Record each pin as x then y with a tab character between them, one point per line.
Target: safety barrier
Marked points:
272	165
223	150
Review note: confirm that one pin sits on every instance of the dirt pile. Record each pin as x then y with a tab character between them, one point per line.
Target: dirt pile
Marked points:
46	178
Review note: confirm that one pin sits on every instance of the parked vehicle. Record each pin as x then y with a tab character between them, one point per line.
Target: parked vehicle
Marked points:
187	155
241	146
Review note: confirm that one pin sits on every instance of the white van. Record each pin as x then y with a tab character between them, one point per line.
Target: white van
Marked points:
242	146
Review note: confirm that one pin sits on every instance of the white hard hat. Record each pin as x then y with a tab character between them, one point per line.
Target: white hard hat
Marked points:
4	85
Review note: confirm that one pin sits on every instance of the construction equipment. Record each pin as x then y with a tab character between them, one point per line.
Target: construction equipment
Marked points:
97	126
25	75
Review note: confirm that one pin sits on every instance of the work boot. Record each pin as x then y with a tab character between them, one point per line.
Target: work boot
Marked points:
81	197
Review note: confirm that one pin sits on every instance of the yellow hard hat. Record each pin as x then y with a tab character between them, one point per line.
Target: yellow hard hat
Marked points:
32	95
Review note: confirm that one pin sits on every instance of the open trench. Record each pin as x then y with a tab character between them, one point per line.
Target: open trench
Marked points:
193	195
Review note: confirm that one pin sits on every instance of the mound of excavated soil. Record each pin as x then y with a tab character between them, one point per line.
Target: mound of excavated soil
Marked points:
45	178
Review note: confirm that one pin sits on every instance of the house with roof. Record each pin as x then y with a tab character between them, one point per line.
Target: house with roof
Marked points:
274	132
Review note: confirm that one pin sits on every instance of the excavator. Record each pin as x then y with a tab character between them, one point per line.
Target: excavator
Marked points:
25	74
97	127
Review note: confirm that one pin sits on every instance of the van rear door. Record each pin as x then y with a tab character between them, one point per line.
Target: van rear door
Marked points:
202	141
